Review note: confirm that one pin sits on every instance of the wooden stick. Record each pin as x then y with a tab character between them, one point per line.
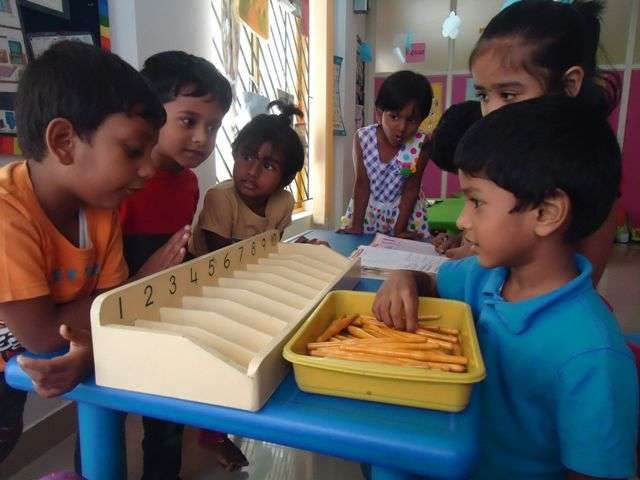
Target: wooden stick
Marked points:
364	357
438	328
425	356
439	336
358	332
336	327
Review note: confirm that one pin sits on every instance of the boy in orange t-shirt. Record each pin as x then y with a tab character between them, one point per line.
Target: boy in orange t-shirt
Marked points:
87	122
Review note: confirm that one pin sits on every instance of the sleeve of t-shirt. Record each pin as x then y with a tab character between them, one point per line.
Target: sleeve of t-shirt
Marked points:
114	269
452	277
597	413
22	258
217	213
285	211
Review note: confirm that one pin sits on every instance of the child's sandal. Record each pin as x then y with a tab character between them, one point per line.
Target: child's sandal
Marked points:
229	456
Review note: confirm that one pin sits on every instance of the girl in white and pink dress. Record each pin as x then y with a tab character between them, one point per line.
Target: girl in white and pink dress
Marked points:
389	159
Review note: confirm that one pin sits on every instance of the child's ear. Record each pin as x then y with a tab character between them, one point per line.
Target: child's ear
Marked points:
572	80
378	115
60	138
552	214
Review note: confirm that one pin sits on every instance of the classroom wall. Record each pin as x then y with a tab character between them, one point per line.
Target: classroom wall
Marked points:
424	20
346	26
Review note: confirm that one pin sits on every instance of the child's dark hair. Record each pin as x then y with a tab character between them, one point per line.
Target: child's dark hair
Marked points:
535	147
174	73
452	126
84	85
558	36
276	130
403	87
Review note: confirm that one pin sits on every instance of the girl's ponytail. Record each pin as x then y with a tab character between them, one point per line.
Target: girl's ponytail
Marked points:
601	89
287	111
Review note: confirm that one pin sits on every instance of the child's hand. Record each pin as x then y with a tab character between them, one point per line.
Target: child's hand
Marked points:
445	241
354	230
464	250
407	235
61	374
170	254
396	303
311	241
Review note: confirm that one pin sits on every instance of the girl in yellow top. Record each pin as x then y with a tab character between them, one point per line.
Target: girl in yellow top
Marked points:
267	156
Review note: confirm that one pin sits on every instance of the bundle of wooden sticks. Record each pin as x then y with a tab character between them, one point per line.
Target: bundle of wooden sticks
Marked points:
366	339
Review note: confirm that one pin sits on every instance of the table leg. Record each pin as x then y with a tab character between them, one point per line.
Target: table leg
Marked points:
102	444
382	473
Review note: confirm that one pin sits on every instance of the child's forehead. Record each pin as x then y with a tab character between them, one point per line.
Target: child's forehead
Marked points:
130	126
410	109
264	149
509	54
207	103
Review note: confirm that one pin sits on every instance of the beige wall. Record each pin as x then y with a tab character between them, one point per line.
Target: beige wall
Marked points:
614	32
424	20
636	56
475	15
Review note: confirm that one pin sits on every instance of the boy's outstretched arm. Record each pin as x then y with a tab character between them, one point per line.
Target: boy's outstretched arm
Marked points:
36	322
60	374
396	303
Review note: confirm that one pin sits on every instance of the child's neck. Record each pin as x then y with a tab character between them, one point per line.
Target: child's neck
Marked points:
163	162
58	204
256	205
385	149
549	268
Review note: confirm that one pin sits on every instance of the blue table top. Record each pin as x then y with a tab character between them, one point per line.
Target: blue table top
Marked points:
426	442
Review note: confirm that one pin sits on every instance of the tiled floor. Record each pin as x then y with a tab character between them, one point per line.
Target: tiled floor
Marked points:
620	285
267	461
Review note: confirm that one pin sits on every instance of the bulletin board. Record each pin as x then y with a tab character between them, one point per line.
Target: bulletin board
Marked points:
27	28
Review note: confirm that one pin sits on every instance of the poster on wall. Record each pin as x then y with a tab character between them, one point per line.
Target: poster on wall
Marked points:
40	42
7	112
13	54
54	7
338	124
255	14
9	16
429	123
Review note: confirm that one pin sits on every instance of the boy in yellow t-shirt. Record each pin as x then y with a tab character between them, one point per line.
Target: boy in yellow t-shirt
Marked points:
87	122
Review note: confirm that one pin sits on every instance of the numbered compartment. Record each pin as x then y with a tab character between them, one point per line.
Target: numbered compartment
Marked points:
212	330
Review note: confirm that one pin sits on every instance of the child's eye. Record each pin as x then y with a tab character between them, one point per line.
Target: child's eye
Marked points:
187	122
475	202
508	96
132	152
481	96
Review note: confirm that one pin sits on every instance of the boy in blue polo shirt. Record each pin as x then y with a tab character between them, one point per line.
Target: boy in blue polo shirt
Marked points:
561	396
